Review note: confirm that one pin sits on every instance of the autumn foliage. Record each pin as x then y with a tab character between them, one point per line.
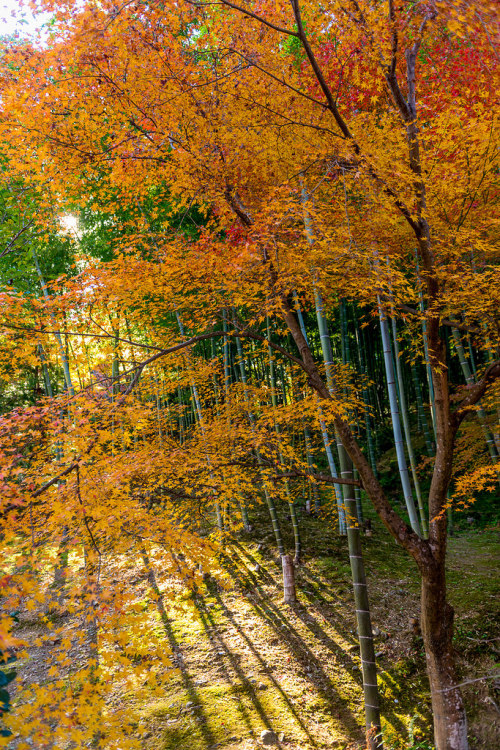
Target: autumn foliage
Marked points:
231	166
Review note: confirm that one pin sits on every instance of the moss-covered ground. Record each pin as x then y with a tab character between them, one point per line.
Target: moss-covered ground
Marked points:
249	662
246	662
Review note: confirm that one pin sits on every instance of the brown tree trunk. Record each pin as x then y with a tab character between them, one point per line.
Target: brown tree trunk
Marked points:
450	722
289	595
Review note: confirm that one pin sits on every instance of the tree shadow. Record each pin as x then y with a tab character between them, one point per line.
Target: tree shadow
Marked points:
264	666
302	653
312	624
211	629
347	662
340	654
264	577
175	647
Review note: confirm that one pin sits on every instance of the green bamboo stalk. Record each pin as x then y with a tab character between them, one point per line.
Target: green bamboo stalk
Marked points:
158	412
50	394
421	411
267	494
75	361
407	431
115	365
310	466
198	414
366	402
291	504
333	471
426	353
115	373
182	427
227	378
324	432
345	466
346	358
46	376
396	423
344	459
62	350
357	497
363	618
283	384
481	414
471	355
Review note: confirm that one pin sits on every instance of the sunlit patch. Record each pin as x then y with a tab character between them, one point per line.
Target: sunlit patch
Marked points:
69	225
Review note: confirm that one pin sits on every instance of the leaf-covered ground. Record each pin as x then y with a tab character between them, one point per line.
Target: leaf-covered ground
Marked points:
246	662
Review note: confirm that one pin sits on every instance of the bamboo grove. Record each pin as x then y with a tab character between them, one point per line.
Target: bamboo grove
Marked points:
285	265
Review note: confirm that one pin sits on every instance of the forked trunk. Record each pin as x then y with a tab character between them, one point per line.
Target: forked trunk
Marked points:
450	722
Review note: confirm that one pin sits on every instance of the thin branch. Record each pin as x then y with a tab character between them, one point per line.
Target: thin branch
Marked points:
55	479
469	682
283	83
78	333
246	13
443	321
343	127
318	477
8	247
476	392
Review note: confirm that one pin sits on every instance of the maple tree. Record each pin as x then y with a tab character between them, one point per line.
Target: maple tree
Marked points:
257	163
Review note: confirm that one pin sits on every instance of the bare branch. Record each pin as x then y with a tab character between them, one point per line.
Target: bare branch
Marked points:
246	12
55	479
319	477
8	248
476	392
283	83
469	682
43	331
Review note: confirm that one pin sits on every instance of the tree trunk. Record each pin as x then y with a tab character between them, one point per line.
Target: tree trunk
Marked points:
289	595
450	722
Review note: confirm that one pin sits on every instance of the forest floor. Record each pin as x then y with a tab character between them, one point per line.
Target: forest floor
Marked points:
246	662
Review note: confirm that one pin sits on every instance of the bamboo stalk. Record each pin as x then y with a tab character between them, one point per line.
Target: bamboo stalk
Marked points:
366	401
421	411
481	414
327	359
406	427
396	423
426	354
363	619
199	416
62	350
267	493
227	375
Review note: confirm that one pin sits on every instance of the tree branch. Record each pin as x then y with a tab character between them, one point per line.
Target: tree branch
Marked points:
283	83
59	476
476	392
8	248
79	333
326	478
246	12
